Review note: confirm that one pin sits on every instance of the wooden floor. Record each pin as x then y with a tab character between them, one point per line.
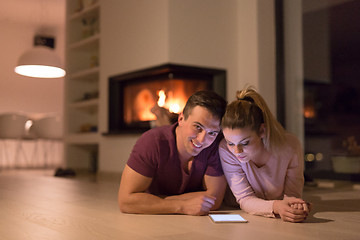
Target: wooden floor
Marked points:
36	205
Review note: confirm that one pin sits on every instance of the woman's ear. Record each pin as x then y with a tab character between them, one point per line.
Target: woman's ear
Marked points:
262	131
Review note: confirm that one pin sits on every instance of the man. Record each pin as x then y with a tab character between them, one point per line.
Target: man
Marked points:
176	168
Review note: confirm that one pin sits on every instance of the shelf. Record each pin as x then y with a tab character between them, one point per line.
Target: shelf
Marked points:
83	138
88	105
86	44
90	74
85	12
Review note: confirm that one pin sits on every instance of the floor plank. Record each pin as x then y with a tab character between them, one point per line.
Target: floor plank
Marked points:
36	205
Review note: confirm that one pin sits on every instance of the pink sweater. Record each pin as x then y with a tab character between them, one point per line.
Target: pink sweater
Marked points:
255	189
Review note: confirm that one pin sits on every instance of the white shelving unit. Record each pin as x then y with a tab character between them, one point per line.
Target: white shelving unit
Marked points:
82	84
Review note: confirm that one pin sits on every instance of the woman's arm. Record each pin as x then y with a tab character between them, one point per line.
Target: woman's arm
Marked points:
287	208
293	208
241	187
294	181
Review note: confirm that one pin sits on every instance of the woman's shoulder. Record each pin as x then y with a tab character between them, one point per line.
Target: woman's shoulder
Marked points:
292	140
293	145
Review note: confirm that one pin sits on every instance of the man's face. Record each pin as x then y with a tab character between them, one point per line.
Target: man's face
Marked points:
197	132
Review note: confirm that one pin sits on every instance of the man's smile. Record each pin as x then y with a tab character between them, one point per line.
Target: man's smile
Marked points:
195	144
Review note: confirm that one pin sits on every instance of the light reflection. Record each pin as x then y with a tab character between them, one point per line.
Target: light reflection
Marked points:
319	156
309	157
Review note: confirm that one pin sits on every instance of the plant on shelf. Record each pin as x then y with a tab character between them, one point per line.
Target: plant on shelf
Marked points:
349	162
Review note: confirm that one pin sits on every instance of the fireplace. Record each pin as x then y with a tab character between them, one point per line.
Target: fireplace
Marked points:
133	96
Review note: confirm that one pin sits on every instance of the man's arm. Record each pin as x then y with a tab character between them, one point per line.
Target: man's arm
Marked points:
215	187
132	198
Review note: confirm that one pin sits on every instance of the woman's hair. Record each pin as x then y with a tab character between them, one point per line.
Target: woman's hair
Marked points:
250	111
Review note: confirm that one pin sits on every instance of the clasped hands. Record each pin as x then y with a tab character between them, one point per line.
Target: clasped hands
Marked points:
292	209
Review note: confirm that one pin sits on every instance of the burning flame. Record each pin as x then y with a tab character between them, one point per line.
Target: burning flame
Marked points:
174	108
162	97
142	105
172	104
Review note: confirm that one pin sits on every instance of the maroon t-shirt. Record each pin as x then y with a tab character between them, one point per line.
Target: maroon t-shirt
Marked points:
155	155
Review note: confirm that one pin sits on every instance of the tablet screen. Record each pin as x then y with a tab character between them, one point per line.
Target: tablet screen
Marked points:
226	218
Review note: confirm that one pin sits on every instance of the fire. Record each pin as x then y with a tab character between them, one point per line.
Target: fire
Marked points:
144	102
142	105
172	104
174	108
162	97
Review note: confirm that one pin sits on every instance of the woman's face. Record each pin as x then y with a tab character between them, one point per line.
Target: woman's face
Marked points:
244	143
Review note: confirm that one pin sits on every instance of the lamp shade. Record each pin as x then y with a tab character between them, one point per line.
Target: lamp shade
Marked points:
40	62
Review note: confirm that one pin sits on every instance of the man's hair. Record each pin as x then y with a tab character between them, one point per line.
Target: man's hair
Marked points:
210	100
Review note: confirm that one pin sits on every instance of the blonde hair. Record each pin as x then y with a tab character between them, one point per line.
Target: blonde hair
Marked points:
250	111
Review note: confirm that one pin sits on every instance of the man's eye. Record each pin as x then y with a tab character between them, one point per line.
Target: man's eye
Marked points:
197	127
213	134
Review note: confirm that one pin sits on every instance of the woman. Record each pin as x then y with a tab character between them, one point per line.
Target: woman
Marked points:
263	163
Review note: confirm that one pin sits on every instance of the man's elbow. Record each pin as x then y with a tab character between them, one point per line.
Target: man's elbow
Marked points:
123	205
124	208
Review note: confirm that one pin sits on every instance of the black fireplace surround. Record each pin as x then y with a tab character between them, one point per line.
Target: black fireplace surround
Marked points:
182	79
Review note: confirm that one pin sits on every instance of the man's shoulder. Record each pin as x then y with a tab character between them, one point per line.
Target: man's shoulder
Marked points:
162	132
157	136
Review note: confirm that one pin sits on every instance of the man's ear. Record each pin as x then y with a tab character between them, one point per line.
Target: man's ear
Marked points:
181	119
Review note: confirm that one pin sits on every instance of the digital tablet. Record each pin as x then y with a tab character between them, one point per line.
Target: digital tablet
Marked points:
227	218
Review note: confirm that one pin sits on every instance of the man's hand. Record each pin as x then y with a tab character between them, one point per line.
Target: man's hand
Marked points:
199	205
292	209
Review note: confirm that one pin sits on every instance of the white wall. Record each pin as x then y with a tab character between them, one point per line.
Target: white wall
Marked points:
19	22
134	35
229	34
204	33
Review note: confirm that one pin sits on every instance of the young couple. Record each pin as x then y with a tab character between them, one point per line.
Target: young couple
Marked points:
180	168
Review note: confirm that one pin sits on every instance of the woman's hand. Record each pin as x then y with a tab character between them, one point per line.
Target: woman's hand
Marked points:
302	206
292	209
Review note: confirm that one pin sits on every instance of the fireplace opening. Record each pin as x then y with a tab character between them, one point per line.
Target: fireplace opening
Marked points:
137	98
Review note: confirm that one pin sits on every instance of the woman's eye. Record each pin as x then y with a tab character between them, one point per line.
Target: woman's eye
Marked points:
245	143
